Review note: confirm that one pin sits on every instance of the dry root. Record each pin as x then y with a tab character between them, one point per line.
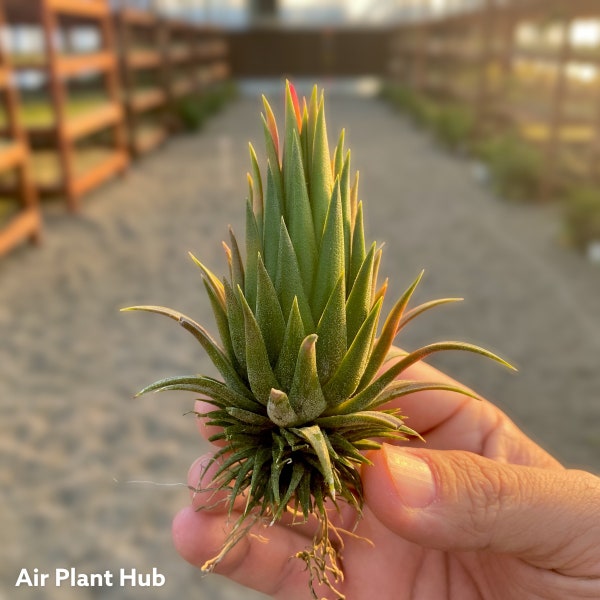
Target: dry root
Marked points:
324	558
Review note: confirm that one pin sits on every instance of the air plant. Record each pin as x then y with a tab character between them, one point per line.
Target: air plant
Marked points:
304	385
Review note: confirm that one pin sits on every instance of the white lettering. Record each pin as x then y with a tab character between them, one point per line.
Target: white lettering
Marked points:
133	578
62	575
69	577
39	579
158	579
76	579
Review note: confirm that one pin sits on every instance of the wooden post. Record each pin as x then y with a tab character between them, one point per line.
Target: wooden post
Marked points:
28	223
594	167
418	75
595	148
487	34
112	80
59	95
508	32
139	102
548	183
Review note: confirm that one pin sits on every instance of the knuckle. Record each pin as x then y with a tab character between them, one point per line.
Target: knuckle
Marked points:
491	493
587	482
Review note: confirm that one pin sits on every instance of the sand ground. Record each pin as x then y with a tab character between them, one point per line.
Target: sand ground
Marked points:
71	435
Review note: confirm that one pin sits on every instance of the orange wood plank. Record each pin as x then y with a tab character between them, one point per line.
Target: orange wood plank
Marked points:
135	16
93	9
220	71
24	225
178	55
148	99
96	120
12	156
114	164
4	77
143	59
183	87
551	56
69	66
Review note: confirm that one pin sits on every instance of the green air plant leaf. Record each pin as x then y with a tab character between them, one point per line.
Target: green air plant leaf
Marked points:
331	330
331	264
273	213
292	338
299	216
309	381
306	394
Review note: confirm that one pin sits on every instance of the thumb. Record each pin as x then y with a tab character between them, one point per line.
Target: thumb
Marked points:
459	501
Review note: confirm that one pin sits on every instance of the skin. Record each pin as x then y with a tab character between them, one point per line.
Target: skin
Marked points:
478	512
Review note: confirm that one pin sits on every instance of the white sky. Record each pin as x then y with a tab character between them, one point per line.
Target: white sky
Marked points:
350	8
362	10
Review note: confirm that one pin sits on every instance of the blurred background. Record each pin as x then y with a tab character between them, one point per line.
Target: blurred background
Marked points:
476	129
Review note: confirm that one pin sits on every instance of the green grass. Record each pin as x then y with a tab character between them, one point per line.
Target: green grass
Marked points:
39	113
416	105
582	216
515	166
454	125
194	111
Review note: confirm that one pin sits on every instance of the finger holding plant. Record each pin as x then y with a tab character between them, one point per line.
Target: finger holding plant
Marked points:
305	388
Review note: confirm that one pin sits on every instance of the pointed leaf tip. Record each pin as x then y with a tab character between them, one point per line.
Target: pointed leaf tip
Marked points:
271	124
306	395
280	410
294	96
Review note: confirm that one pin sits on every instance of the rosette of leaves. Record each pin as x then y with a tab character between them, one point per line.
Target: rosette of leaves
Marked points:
305	381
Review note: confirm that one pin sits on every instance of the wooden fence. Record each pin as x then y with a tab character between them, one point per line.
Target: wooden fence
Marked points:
519	65
529	66
92	108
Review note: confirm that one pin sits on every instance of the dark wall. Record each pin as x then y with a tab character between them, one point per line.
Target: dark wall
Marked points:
273	52
263	8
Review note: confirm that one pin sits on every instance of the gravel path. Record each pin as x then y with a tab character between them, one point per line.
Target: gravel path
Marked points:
71	436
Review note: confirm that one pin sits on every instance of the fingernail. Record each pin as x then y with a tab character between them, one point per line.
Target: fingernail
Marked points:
411	476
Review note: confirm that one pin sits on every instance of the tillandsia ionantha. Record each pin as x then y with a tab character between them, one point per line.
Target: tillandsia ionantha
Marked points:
305	377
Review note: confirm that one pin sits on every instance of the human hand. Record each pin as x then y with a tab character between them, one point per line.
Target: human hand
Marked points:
478	512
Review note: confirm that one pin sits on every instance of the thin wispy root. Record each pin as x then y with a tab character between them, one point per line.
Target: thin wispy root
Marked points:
323	561
240	530
323	558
